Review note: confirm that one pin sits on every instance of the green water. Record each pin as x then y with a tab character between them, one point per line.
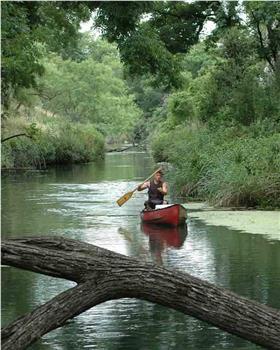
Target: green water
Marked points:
79	202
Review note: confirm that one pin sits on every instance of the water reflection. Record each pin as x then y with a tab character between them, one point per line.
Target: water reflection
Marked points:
79	203
161	237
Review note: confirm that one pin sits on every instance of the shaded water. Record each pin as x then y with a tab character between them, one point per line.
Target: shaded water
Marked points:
79	202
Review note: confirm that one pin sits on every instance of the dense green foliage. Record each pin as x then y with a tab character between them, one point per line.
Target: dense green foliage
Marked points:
230	167
91	90
47	64
53	141
209	103
222	127
83	102
26	28
151	34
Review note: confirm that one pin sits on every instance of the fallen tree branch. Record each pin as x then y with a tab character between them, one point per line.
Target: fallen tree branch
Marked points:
104	275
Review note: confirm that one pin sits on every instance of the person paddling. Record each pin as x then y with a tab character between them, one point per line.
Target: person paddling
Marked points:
157	189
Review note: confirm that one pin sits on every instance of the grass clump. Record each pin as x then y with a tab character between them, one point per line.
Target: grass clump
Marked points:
56	142
224	167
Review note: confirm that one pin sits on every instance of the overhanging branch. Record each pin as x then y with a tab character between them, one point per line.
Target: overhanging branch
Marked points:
13	136
104	275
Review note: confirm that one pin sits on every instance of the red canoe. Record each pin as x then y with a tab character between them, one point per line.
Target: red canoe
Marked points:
174	215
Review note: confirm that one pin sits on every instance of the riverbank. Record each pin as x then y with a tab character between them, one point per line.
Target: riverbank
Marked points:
266	222
236	166
59	142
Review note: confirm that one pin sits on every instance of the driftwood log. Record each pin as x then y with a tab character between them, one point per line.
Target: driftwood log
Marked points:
102	275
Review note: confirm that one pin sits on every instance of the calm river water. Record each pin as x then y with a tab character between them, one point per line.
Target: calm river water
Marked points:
79	202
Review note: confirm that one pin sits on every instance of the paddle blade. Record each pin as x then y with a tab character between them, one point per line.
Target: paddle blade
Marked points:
124	198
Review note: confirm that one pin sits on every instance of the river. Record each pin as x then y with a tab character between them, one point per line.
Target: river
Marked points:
79	202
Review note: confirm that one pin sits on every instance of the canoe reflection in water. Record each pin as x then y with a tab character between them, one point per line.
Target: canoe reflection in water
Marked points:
162	237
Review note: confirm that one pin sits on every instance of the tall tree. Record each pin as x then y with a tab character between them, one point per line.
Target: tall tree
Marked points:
264	19
163	29
91	90
141	29
29	27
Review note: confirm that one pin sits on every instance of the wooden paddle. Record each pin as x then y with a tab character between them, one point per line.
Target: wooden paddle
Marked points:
128	195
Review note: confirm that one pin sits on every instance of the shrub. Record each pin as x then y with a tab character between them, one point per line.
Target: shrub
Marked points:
56	143
78	143
160	146
224	168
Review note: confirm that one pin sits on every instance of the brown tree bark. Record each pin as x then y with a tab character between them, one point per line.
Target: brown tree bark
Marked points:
103	275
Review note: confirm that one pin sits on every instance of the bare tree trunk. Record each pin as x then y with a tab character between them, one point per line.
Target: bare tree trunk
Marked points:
103	275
